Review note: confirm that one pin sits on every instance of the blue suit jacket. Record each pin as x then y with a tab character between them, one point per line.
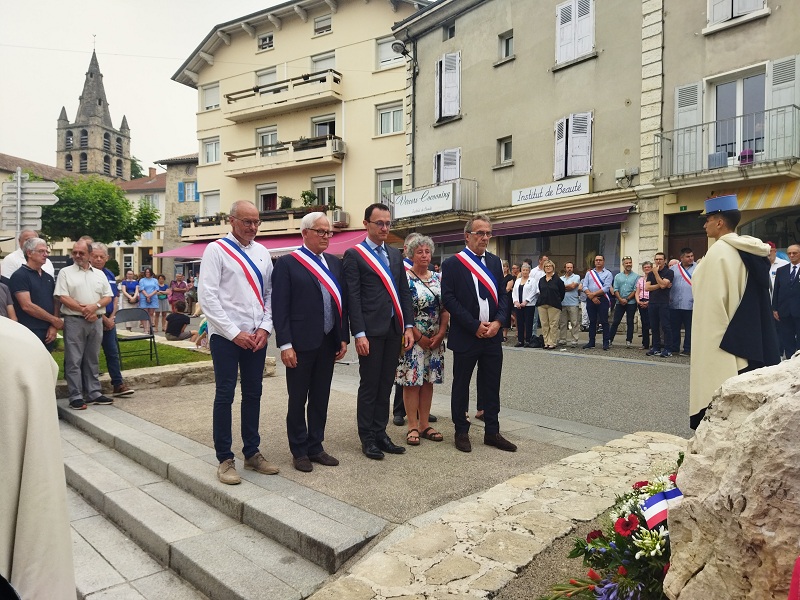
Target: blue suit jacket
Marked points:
297	309
461	301
786	297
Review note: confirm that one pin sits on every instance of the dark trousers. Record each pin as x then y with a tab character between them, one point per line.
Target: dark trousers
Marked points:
598	312
659	321
377	371
111	350
629	310
309	388
526	317
398	406
681	318
789	331
488	356
229	360
644	316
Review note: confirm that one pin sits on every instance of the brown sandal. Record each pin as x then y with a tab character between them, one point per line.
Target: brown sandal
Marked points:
412	439
431	434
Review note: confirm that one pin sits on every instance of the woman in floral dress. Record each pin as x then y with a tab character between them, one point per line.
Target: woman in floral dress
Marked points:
423	364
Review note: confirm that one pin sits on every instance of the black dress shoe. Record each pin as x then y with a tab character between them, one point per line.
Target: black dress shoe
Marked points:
499	442
389	446
433	419
462	442
302	463
399	421
372	451
324	458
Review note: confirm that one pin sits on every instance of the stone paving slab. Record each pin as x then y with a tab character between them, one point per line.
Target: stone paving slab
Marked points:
166	586
92	571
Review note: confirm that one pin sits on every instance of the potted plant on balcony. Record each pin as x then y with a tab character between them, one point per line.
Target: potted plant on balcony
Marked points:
309	198
286	202
186	220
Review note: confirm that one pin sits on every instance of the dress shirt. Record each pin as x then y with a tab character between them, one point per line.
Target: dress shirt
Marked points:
571	296
383	256
773	268
326	299
85	286
644	295
625	284
228	301
483	303
605	277
16	259
680	295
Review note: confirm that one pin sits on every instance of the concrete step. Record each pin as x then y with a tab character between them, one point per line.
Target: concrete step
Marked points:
319	528
217	554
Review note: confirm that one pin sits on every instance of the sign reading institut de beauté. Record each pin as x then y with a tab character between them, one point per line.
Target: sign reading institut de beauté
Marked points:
551	191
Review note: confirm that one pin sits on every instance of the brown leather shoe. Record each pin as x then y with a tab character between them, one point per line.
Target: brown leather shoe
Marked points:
499	442
324	458
260	464
463	443
301	463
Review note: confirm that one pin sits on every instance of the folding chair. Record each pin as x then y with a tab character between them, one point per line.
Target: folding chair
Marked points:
127	315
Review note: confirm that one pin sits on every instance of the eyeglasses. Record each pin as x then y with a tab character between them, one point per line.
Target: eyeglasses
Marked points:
247	222
323	232
626	258
382	224
486	234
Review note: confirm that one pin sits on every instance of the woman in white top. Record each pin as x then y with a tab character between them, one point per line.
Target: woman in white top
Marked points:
524	296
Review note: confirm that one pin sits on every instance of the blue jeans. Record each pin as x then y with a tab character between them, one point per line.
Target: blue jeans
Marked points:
111	350
229	359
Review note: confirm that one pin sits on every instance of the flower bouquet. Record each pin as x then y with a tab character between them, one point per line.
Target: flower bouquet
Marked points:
629	559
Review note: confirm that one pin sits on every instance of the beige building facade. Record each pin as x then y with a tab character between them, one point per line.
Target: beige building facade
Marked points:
302	97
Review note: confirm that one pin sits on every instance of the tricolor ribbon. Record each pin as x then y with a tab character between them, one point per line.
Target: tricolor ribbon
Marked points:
477	268
326	278
408	263
251	272
599	285
656	507
382	271
685	274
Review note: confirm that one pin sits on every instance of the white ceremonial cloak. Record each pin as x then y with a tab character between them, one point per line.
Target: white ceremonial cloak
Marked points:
35	539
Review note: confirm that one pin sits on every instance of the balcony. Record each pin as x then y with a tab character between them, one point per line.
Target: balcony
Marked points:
459	195
285	220
312	89
756	141
295	154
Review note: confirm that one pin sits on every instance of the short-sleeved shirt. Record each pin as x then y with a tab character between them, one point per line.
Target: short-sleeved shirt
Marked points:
5	299
112	282
175	323
85	286
571	297
40	287
680	295
660	296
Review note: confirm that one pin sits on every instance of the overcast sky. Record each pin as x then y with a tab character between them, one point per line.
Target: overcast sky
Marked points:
45	48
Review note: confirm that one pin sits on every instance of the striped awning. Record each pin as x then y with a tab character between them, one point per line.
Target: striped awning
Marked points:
775	195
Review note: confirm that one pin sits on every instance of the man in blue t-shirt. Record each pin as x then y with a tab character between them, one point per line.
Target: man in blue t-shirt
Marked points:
624	290
98	259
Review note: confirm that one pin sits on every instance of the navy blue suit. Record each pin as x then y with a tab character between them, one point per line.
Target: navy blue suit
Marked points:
461	301
298	318
786	301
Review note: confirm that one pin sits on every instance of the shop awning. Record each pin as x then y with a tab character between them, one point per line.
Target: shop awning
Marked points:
562	222
278	245
776	195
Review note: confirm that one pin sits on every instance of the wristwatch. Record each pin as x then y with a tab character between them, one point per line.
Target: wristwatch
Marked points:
99	305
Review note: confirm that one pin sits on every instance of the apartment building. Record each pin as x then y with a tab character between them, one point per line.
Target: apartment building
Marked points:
300	105
531	114
150	189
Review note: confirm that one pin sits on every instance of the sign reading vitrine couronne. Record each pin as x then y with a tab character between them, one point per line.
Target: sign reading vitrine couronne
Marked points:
422	202
551	191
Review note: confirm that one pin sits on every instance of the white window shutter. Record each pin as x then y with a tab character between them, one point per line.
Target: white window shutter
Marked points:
437	161
687	139
560	169
451	164
783	90
451	85
565	31
742	7
584	27
437	93
579	161
719	11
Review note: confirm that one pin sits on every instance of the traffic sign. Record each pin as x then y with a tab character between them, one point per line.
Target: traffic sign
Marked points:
34	199
24	224
30	212
36	187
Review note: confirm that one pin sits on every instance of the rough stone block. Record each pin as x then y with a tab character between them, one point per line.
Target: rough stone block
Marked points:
652	83
451	568
384	570
651	56
655	69
509	549
427	542
652	30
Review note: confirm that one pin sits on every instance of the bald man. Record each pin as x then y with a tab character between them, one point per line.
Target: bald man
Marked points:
16	259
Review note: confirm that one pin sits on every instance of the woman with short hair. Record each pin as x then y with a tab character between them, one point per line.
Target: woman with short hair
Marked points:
551	294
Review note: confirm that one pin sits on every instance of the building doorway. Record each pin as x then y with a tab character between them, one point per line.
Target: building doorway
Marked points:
686	231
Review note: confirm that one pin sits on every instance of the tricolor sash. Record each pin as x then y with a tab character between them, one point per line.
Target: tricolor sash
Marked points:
408	263
327	279
249	268
599	285
382	271
687	277
477	268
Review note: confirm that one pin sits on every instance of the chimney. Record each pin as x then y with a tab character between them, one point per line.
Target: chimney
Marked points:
152	172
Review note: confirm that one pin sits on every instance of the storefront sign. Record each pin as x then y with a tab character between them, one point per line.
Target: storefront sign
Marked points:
423	202
551	191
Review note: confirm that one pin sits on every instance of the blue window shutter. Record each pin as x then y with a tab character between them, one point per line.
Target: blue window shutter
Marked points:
196	193
181	194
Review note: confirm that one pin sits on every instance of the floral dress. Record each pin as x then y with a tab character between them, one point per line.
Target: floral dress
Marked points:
418	366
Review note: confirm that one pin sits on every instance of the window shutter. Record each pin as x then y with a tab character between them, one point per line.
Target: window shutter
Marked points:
437	161
584	28
579	161
560	170
181	192
451	85
742	7
783	90
565	32
451	164
719	11
437	93
196	192
687	141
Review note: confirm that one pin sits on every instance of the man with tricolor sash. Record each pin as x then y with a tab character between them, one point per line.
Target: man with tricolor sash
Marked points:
681	301
597	286
236	295
381	321
309	310
478	307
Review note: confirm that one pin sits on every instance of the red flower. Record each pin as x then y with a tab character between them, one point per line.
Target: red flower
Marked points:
626	527
640	484
673	477
622	570
593	535
592	574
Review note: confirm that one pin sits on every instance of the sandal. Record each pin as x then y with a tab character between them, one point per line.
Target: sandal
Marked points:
412	439
431	434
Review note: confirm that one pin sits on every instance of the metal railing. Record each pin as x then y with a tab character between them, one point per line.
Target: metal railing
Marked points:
298	145
740	141
285	85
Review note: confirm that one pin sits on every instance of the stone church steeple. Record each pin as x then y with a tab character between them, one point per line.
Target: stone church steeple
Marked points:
90	144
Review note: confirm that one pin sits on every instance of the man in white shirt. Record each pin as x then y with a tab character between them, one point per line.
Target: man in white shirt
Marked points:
16	259
570	309
236	296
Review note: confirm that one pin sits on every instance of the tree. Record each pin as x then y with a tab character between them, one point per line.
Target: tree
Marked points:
137	172
98	208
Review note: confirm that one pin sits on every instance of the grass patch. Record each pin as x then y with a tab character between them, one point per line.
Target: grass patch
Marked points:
167	355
